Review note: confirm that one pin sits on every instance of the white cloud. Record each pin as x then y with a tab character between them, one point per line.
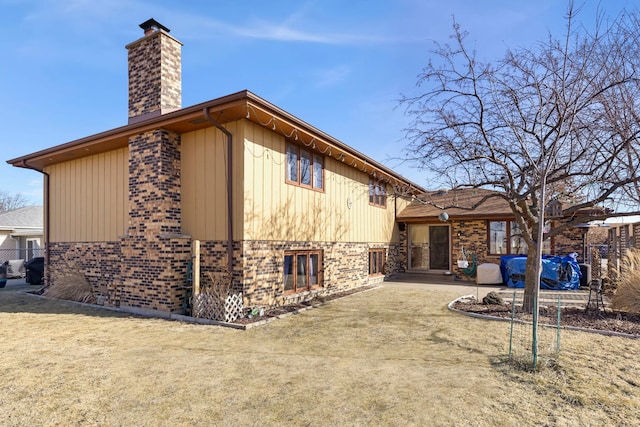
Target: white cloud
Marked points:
332	76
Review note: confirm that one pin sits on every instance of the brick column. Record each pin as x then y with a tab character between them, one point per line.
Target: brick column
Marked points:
154	252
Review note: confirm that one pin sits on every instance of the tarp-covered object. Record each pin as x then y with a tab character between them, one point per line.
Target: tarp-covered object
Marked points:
558	273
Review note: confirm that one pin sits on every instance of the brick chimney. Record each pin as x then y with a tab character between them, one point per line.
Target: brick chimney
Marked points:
154	252
155	73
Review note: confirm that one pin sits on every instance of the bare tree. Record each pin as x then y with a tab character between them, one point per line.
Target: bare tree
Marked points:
11	201
559	121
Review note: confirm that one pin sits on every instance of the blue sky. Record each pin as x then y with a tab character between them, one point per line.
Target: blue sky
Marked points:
338	65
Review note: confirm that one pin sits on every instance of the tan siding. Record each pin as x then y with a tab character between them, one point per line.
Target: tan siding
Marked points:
276	210
204	184
88	198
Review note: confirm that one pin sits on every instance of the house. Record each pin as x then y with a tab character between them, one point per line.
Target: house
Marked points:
21	233
446	219
287	209
622	234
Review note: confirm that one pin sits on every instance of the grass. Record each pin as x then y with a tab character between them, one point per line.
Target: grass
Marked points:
383	357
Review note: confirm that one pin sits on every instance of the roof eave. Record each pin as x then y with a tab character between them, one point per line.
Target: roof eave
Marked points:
191	118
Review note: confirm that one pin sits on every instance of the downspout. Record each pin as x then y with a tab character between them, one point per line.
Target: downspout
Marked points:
47	228
17	245
229	136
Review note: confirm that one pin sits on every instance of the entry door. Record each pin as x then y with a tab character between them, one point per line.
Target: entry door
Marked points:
439	247
429	247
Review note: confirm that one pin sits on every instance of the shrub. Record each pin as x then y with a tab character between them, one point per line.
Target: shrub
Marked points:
70	285
627	295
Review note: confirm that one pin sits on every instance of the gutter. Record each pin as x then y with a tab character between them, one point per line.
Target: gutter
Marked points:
47	228
229	174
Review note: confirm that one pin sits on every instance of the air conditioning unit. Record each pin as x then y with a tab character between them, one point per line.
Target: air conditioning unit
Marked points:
585	270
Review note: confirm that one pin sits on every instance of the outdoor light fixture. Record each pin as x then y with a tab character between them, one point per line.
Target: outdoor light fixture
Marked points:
443	217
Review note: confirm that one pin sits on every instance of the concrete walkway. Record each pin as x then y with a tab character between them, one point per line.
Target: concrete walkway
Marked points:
424	281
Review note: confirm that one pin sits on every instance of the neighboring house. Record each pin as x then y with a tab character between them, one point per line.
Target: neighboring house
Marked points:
21	233
623	233
290	210
436	241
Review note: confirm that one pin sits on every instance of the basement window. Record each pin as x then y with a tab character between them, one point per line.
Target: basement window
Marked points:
304	168
376	262
302	270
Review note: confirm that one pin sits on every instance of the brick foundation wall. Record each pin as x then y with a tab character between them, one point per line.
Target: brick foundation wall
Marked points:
259	267
99	262
151	274
154	272
157	271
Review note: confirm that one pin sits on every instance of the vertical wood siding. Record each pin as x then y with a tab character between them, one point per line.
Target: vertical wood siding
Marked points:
88	198
204	185
275	210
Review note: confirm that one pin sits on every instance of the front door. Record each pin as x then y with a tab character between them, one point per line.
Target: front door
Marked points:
429	247
438	247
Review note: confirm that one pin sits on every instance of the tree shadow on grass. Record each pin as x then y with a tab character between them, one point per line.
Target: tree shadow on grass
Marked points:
25	300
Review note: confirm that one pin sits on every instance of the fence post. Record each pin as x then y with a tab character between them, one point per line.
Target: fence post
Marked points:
195	247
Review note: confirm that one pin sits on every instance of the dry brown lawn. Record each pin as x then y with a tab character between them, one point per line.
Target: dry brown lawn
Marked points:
391	357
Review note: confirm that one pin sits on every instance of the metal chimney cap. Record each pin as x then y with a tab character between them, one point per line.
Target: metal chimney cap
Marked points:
153	25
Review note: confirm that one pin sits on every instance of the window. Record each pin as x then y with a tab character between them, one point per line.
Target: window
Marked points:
505	238
377	194
304	168
376	262
302	270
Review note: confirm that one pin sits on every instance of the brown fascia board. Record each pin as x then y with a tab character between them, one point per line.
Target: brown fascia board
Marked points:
296	122
119	137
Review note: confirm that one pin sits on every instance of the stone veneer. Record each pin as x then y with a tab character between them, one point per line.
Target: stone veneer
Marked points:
155	81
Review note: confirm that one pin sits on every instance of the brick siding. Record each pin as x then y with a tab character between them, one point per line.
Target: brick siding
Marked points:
155	84
259	267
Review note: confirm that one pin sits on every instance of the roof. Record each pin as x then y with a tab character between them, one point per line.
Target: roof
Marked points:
239	105
26	217
458	204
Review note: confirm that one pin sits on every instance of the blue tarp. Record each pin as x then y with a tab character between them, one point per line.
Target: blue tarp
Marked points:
558	273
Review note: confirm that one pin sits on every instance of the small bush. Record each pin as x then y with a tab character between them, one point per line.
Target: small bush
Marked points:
70	285
627	295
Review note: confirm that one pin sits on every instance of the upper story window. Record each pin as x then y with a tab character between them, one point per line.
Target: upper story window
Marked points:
304	168
377	193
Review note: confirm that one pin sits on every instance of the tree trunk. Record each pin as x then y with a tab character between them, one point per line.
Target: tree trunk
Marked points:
530	282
